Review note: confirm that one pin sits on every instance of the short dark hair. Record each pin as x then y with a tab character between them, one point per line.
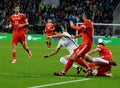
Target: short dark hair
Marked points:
88	14
101	44
58	30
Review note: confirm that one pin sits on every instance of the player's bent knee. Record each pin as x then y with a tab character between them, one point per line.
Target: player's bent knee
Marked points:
73	57
62	59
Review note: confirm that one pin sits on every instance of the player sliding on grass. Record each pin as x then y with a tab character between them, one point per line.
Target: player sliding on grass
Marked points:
18	23
67	42
79	53
88	58
105	54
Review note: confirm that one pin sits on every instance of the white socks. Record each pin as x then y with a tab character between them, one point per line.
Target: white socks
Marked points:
98	59
64	61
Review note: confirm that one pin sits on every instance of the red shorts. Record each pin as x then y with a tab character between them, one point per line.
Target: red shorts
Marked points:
81	50
101	66
48	34
19	38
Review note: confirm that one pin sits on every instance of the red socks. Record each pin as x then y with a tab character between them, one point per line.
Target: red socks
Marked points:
68	65
13	55
70	62
49	44
82	63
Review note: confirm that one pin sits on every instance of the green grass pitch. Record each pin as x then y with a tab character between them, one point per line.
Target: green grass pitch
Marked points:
37	71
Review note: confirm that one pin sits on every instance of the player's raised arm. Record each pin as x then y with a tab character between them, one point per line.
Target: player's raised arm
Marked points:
82	27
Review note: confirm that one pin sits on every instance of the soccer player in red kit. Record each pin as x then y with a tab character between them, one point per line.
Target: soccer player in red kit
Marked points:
49	28
105	54
79	53
18	23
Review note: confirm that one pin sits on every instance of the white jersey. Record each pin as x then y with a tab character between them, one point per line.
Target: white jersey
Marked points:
67	42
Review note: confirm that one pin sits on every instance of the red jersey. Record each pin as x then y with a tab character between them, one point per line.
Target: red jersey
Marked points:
49	28
87	32
104	52
16	20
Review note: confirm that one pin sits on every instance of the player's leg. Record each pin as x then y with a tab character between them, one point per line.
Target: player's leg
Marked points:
46	43
80	52
49	43
95	59
98	59
92	64
24	44
67	66
74	57
13	53
64	61
14	43
103	69
27	49
82	63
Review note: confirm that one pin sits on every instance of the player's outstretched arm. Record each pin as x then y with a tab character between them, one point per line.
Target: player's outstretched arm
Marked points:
52	53
57	36
82	27
77	36
93	51
88	58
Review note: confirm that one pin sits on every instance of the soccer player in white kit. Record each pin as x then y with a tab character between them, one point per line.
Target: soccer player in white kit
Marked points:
67	42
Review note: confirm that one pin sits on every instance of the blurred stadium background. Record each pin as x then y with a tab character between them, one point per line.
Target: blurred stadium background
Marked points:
106	15
61	11
36	71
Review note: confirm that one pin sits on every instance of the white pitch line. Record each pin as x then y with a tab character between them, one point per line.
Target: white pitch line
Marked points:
33	75
59	83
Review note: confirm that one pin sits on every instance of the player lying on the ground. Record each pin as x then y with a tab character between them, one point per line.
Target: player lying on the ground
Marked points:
102	69
69	43
88	58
